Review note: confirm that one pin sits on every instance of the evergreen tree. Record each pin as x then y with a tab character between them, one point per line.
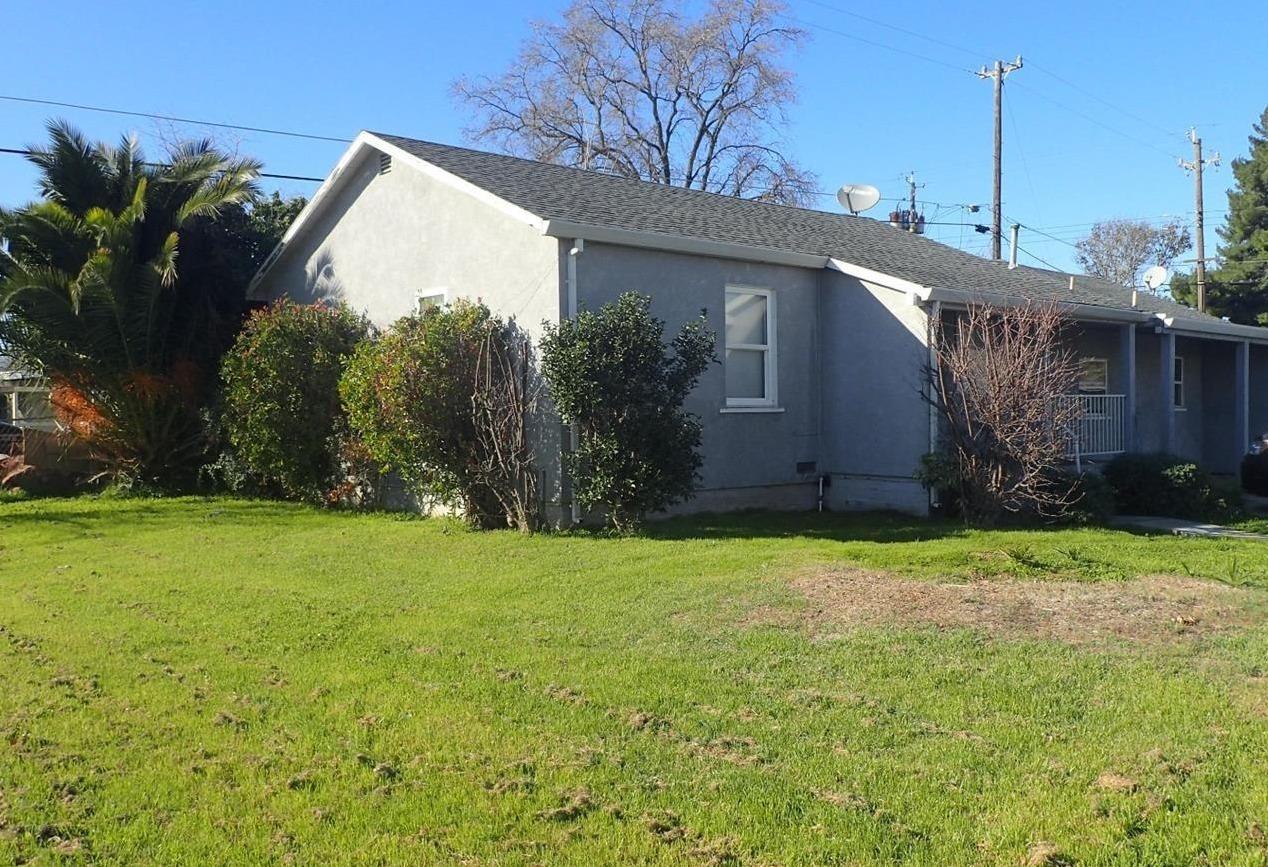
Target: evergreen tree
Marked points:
1238	287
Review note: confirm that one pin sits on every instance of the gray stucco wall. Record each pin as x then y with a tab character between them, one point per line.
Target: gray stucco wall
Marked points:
1222	447
385	238
1258	389
744	452
1097	340
876	423
1189	425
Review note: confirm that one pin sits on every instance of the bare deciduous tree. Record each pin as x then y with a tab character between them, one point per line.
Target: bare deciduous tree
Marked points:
635	88
1117	250
998	384
503	402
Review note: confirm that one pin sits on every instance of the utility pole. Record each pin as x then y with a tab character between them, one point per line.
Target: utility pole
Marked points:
1199	218
917	221
998	74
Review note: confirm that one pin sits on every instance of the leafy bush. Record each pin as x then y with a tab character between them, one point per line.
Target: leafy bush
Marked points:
1255	474
282	414
609	374
444	399
1093	499
1166	485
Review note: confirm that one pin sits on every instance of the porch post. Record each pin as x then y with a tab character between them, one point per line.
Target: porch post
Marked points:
1127	351
1241	402
1167	378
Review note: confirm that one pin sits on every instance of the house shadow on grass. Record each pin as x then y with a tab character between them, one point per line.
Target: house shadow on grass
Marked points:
92	513
827	526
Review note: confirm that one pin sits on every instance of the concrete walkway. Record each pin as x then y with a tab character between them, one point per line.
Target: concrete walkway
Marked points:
1180	527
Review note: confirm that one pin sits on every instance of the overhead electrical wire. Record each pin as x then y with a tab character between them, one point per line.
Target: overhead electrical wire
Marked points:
896	28
880	45
172	119
27	153
1021	249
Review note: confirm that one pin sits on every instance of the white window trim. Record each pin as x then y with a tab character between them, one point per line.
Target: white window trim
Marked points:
441	292
769	403
1178	381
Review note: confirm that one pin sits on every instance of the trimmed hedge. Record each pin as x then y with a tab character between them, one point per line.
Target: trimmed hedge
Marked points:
1164	485
1255	474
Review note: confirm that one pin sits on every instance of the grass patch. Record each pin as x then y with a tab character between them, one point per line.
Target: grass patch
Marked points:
212	680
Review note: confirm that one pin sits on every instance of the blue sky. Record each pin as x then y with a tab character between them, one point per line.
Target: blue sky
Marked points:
1093	123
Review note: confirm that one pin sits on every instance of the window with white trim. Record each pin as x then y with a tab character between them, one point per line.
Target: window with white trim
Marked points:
1177	383
1093	376
750	347
430	298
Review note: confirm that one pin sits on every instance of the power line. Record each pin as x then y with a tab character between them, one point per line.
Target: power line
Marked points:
897	29
26	153
153	116
1092	120
1103	101
1021	249
880	45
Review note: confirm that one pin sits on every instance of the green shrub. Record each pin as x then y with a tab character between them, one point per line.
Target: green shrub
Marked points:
610	376
1255	474
443	398
1165	485
1094	501
282	415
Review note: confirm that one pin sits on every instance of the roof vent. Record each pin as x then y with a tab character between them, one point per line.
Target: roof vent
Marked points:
385	163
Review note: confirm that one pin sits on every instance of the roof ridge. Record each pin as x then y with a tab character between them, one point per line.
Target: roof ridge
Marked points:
602	174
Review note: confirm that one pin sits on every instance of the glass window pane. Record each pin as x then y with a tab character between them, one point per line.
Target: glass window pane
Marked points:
1179	376
1093	376
746	373
745	318
34	406
6	407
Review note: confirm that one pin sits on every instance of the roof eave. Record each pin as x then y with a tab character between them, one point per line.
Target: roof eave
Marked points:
1214	328
1082	312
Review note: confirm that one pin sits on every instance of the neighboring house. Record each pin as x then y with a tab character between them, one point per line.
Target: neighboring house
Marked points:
823	319
24	399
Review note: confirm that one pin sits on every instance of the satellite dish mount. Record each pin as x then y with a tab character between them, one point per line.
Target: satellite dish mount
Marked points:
857	198
1155	277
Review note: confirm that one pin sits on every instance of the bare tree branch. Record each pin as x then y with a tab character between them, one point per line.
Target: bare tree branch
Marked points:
1118	250
1000	380
634	88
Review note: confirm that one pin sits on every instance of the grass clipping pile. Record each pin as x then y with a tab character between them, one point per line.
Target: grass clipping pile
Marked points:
1157	609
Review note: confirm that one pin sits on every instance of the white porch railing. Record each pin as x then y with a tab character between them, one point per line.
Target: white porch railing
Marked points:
1101	426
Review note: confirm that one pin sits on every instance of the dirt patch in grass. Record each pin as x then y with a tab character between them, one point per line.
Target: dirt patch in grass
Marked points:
1156	609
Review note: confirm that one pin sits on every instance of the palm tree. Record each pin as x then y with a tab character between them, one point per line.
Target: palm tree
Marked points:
91	295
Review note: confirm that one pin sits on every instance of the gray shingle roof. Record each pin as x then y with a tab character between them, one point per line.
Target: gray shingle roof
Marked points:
561	193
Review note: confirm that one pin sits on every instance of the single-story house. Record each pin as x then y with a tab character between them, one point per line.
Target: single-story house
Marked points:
24	399
823	319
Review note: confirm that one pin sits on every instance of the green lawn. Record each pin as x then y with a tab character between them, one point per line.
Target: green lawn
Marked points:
213	681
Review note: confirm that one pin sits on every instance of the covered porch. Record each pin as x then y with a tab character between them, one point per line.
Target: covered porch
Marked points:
1169	386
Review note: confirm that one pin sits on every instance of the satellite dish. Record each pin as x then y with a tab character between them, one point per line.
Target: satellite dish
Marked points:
857	198
1155	277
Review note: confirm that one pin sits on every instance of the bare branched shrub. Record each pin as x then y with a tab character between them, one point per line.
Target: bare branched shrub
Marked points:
502	404
998	381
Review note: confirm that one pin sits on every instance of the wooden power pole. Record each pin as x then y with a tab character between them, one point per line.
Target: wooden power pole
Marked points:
1199	218
997	74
